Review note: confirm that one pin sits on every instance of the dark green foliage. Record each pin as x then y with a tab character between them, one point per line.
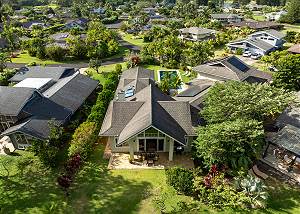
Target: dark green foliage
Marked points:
233	100
181	179
288	74
231	143
48	150
56	53
83	140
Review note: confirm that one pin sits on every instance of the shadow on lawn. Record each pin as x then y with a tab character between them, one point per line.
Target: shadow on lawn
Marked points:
283	197
96	190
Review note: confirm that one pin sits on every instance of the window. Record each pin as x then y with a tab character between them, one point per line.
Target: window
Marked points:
141	145
161	143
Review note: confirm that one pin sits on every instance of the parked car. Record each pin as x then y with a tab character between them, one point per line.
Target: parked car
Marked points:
255	56
247	54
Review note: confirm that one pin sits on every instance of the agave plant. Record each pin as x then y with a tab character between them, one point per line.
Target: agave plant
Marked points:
254	188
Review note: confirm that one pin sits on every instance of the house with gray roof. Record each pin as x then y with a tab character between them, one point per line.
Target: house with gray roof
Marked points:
196	34
141	118
231	68
41	96
261	43
226	18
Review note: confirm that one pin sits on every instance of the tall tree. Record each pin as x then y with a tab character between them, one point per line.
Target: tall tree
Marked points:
233	100
288	74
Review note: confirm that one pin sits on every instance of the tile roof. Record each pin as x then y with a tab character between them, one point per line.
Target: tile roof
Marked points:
295	49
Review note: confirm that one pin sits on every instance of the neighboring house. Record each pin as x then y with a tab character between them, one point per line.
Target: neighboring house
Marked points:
115	26
1	27
151	11
41	95
60	39
141	118
98	11
80	23
31	24
275	16
295	49
226	18
231	68
255	7
196	34
262	42
283	150
195	92
257	26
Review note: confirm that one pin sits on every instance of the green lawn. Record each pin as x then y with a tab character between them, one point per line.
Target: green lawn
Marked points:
24	57
259	17
100	75
288	27
138	41
99	190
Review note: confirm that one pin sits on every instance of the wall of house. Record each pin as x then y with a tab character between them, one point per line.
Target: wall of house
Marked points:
6	122
20	140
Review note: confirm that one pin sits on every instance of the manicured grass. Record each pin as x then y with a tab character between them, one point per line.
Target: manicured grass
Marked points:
99	190
100	75
259	17
24	57
288	27
138	41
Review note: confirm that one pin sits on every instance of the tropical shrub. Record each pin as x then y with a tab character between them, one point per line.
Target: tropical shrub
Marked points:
83	140
181	179
254	188
56	53
232	143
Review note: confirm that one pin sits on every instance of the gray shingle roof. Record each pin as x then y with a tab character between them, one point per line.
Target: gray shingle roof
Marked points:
275	33
13	99
43	111
224	16
288	138
148	108
232	68
260	44
54	73
72	91
196	30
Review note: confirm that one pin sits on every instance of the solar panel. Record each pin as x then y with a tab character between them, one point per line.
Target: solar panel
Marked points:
193	91
238	64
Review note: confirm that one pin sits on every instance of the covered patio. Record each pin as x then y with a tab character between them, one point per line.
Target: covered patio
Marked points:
121	161
283	152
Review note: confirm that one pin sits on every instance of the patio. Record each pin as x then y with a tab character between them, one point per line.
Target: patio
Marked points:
121	161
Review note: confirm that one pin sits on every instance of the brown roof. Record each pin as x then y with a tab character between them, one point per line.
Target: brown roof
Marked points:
295	49
257	25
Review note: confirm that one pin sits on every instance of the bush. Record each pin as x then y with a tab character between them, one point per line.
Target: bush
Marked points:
56	53
6	75
83	139
181	179
239	51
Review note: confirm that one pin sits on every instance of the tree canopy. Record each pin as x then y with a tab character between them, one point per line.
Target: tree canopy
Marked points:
233	100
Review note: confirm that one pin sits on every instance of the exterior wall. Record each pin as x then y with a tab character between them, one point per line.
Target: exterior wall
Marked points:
20	140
